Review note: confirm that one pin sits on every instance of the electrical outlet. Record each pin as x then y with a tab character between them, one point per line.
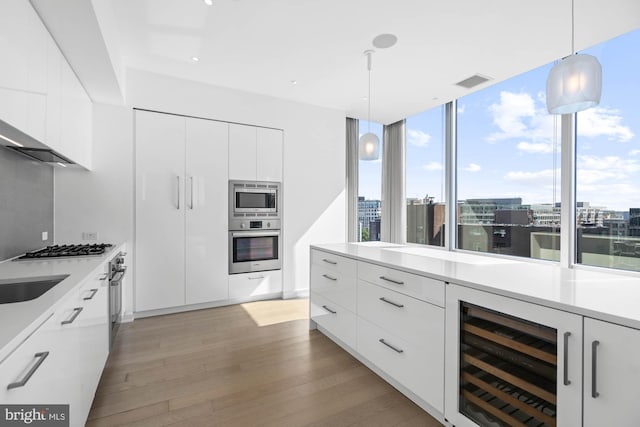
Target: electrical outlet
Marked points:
45	235
90	235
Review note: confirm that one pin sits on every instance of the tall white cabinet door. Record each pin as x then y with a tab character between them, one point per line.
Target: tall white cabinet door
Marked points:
206	210
617	369
242	152
160	207
269	155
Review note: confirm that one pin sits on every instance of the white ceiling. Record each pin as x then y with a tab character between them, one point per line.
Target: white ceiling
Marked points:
260	46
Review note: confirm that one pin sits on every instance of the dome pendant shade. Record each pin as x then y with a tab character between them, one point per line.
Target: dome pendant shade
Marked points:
574	84
369	147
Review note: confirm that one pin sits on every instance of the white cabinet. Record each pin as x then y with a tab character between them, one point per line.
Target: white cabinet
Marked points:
181	211
23	46
566	362
252	285
25	111
334	318
76	116
269	155
255	153
62	361
611	352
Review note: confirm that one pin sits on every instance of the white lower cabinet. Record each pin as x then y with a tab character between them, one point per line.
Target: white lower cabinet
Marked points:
250	285
62	361
611	374
334	318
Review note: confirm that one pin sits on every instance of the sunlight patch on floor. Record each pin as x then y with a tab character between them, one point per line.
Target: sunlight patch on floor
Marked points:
265	313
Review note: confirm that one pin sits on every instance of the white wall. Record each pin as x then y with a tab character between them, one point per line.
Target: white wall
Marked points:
101	200
314	166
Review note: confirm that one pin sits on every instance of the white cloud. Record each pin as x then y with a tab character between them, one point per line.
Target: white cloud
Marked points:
595	169
418	137
634	152
473	167
603	121
433	166
518	116
535	147
536	177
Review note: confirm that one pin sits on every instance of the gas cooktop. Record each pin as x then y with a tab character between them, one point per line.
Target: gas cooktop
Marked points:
59	251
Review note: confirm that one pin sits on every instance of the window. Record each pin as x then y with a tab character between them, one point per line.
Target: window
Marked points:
425	177
608	162
508	177
369	189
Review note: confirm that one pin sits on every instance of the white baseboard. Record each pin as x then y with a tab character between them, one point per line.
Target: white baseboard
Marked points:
296	293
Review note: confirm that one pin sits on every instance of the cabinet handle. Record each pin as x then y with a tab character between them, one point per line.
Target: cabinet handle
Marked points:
191	201
93	294
397	282
396	349
566	358
256	278
178	193
383	299
76	313
104	276
328	261
40	356
329	310
326	276
594	364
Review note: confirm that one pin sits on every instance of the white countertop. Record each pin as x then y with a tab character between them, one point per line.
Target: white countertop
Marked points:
18	320
602	295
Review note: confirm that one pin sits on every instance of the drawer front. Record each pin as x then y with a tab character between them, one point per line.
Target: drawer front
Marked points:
255	284
335	286
334	263
417	367
419	287
334	318
407	317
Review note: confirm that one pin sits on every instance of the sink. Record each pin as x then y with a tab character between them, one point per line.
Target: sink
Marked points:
27	288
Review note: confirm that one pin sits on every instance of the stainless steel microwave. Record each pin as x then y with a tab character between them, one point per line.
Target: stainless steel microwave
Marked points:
254	199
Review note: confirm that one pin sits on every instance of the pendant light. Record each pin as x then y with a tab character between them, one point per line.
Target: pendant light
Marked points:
369	147
575	83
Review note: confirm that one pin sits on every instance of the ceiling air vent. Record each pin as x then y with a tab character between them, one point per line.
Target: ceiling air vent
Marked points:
473	81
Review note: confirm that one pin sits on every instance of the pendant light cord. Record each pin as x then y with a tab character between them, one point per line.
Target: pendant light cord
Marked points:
369	52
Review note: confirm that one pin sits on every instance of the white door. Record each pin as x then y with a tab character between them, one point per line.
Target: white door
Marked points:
160	207
611	397
206	210
242	152
269	155
568	337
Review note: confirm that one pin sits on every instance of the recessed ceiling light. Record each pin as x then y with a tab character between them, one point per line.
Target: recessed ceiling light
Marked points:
364	98
435	98
195	59
61	164
384	41
294	82
208	2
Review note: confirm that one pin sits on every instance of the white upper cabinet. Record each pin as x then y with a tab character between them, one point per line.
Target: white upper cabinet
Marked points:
255	153
41	95
269	157
23	43
242	152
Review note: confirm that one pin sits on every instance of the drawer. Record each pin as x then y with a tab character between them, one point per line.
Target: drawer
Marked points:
334	263
420	287
334	318
409	318
335	286
255	284
417	367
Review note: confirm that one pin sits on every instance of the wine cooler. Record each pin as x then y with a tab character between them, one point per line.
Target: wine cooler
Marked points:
508	369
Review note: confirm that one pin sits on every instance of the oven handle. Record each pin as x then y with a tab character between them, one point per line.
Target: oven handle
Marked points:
255	233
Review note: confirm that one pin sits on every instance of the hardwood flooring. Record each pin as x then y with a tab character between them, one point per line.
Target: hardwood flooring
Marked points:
254	364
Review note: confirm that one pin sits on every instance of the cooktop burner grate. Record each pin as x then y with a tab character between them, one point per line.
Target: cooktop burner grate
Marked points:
58	251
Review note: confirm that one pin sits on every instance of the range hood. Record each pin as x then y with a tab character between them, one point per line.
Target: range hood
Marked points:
16	140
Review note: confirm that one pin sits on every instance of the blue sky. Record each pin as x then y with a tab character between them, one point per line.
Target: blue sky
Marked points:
506	140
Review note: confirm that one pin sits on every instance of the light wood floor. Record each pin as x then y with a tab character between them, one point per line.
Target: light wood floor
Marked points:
253	364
